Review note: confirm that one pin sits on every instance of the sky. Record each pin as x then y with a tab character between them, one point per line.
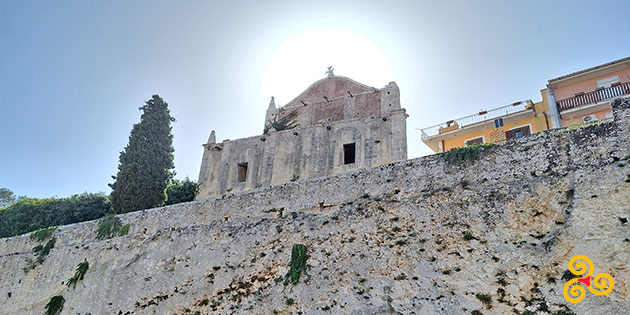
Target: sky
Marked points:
73	73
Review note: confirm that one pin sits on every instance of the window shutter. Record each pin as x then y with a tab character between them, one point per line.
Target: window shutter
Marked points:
509	134
526	131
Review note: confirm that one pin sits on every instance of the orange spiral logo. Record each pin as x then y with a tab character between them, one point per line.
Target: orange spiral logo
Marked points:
580	265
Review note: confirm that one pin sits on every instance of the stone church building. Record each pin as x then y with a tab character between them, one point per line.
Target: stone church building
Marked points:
342	125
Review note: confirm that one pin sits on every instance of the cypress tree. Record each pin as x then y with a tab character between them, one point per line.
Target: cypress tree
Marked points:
145	165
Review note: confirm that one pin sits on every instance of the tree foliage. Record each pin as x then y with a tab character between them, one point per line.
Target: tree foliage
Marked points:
31	214
287	122
7	197
145	164
179	191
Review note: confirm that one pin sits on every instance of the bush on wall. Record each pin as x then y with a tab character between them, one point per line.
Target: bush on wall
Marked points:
179	191
30	214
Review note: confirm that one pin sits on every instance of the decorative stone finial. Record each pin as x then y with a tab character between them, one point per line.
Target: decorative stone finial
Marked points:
330	73
212	138
272	104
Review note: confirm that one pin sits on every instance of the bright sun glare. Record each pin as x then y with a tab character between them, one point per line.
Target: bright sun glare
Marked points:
303	59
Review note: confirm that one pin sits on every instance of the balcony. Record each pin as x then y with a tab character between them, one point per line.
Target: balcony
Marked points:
593	97
475	119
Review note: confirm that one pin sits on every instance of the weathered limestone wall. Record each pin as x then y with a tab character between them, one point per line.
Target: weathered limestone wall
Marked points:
423	236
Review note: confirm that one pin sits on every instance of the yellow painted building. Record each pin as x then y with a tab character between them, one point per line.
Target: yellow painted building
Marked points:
518	120
580	97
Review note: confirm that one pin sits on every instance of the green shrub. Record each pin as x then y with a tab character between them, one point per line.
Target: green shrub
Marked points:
40	251
82	268
55	305
110	226
42	234
30	214
179	191
470	153
285	123
401	276
43	251
485	299
124	230
468	236
568	275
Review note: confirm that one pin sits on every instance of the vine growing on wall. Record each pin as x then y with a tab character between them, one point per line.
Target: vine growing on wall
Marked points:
298	265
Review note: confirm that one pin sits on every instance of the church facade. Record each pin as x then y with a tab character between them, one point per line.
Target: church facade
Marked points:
340	125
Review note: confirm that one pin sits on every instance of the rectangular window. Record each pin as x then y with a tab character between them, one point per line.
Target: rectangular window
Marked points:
517	133
242	172
349	151
474	141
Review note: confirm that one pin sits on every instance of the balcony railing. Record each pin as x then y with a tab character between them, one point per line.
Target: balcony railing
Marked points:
593	97
476	118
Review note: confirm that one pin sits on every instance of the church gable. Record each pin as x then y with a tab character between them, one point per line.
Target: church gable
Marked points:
333	87
331	99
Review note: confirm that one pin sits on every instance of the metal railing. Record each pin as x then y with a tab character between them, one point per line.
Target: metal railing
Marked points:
593	96
476	118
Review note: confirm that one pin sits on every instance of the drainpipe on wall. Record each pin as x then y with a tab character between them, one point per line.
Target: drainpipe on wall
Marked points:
553	107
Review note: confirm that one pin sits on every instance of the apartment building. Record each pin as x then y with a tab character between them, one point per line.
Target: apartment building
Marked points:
579	97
